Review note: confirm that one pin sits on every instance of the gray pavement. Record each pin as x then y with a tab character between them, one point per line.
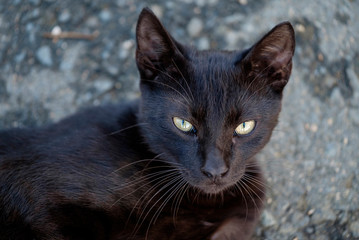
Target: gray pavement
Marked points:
312	161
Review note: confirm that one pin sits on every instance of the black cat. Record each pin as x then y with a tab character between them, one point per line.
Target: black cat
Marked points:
176	164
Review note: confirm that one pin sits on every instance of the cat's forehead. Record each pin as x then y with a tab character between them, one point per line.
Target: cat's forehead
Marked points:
217	86
217	68
215	74
216	59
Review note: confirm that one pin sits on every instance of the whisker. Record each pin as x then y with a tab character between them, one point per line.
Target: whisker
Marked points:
256	180
165	178
139	161
143	178
172	99
144	185
245	186
250	181
181	194
166	85
258	75
244	198
171	191
175	80
185	80
140	222
126	128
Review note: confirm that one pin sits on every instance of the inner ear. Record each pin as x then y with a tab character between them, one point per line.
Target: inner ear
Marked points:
272	56
156	49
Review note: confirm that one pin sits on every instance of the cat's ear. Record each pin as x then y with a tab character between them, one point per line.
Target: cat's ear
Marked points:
271	57
156	49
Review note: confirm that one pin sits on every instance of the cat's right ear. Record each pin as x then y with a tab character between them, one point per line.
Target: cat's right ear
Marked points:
271	57
156	49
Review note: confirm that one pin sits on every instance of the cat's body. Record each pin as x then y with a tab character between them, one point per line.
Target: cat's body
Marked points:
129	172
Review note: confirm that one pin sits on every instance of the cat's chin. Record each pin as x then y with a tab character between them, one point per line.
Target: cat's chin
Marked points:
214	188
208	186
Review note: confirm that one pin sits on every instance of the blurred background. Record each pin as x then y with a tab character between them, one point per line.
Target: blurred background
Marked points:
60	56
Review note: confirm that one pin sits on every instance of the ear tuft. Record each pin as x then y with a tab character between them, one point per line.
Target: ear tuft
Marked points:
272	55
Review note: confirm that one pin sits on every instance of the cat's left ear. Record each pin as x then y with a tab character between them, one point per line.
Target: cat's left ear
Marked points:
271	57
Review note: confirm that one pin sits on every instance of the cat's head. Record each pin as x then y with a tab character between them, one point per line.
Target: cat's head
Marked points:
209	112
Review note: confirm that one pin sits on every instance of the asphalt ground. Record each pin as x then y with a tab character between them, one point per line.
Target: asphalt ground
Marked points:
311	162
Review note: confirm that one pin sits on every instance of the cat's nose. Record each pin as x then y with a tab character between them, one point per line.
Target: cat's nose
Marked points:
214	173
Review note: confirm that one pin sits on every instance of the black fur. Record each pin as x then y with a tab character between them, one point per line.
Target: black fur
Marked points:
126	172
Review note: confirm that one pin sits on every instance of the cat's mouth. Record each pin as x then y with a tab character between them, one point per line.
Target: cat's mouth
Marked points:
213	187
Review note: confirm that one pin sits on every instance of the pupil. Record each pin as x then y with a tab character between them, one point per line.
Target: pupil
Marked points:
244	125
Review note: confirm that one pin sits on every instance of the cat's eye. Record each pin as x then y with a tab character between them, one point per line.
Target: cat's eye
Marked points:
245	127
183	125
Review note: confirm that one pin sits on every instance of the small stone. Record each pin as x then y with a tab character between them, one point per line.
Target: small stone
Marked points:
128	44
65	16
354	115
92	21
309	230
349	181
321	237
203	43
157	10
16	2
35	2
234	19
118	85
30	27
343	217
310	212
323	215
287	229
329	81
309	165
200	3
105	54
354	227
125	48
20	56
331	149
243	2
121	3
70	58
268	220
112	69
103	85
43	55
298	236
105	15
56	30
300	219
336	97
212	2
232	38
195	27
314	128
32	14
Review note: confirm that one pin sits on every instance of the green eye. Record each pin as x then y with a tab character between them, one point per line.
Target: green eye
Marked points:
182	124
245	127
